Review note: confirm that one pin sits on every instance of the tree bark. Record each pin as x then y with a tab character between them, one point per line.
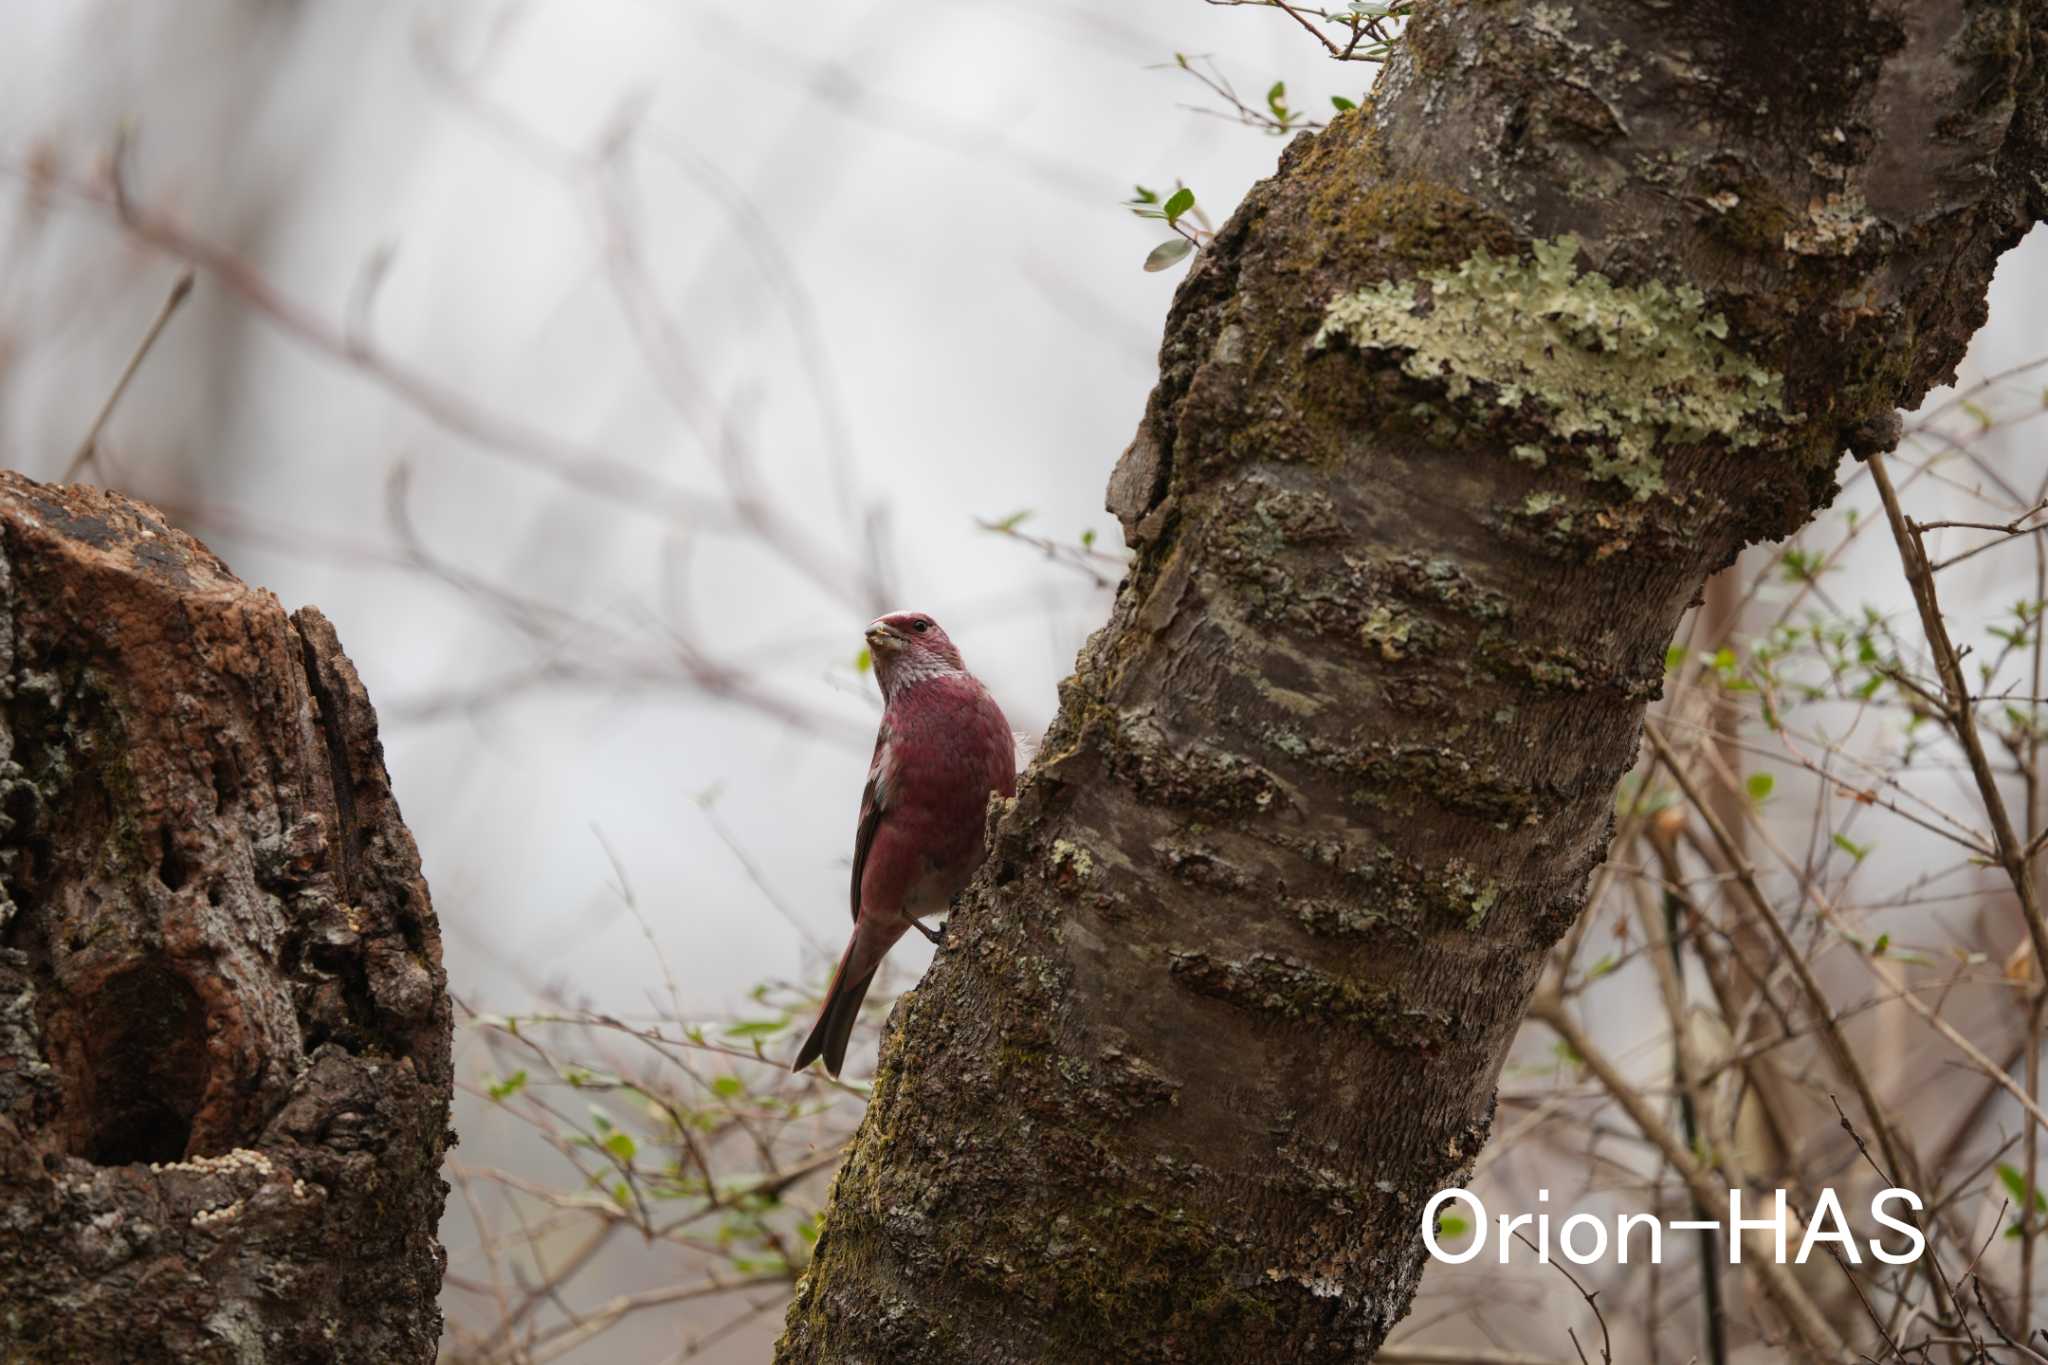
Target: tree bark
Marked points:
224	1026
1454	417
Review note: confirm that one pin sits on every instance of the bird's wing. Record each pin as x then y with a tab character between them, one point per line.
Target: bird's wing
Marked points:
874	803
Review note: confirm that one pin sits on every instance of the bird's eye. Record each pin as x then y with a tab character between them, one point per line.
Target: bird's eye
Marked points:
920	625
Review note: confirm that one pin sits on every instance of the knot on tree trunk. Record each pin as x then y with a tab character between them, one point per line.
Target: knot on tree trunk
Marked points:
224	1025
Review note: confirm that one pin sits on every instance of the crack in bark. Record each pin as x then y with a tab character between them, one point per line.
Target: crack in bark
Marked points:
327	709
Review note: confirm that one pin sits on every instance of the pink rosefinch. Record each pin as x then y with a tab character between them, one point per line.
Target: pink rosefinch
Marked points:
943	747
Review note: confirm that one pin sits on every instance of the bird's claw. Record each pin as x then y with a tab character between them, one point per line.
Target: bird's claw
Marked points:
935	935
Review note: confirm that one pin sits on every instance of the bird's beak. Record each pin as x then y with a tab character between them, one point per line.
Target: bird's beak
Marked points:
881	639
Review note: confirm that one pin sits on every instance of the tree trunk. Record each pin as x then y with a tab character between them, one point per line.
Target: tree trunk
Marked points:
1454	418
224	1027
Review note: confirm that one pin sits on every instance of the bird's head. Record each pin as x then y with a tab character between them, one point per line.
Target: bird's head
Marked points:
909	645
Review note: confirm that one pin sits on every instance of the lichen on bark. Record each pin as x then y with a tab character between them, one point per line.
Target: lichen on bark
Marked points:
1621	370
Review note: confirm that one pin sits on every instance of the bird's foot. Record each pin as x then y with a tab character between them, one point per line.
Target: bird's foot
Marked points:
935	935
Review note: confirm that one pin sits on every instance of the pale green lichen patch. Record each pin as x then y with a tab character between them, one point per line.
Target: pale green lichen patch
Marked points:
1834	226
1389	630
1478	898
1070	856
1622	369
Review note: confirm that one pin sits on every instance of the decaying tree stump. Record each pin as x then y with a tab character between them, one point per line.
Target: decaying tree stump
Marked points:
224	1026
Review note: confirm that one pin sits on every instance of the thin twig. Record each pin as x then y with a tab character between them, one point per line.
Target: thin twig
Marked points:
1745	876
89	448
1806	1319
1961	715
1590	1296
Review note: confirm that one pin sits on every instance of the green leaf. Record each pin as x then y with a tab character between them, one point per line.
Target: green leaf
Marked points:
2010	1177
1451	1225
863	661
1673	657
1088	539
1144	196
1801	566
1179	202
1012	521
1276	100
760	1265
1602	967
1849	846
1167	252
510	1086
1759	786
1879	948
756	1028
728	1087
1340	104
622	1146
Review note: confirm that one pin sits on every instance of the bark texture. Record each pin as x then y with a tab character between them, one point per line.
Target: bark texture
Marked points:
1453	420
224	1026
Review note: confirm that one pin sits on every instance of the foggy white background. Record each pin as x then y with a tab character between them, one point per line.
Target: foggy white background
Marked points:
891	235
943	184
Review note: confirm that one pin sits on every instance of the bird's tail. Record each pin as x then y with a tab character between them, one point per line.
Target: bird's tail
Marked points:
842	1006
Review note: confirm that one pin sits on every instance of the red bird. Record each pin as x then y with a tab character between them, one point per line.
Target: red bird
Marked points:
943	747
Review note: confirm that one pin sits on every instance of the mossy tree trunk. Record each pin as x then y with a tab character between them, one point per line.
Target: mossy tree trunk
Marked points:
224	1026
1453	420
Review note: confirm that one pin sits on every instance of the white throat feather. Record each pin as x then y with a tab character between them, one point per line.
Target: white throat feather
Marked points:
912	667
